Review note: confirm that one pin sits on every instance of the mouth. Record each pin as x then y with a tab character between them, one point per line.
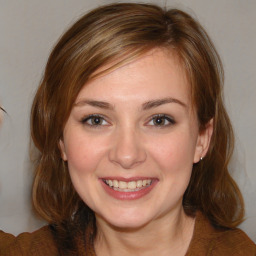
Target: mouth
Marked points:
128	189
130	186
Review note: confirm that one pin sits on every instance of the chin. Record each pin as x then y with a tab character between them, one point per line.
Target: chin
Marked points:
125	224
127	220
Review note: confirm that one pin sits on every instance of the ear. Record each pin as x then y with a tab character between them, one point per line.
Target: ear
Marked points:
62	150
203	142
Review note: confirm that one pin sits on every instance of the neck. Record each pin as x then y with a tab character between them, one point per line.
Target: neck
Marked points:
167	235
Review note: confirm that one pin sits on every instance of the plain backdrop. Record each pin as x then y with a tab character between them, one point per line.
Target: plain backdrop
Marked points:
28	31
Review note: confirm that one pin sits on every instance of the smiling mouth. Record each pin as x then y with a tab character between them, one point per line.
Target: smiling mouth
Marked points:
130	186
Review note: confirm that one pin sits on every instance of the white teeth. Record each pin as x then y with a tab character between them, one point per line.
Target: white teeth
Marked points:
128	186
122	184
139	183
132	184
115	184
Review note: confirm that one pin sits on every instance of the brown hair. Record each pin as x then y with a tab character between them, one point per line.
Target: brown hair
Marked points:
112	35
2	109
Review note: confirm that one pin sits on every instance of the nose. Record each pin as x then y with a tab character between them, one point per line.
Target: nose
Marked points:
127	149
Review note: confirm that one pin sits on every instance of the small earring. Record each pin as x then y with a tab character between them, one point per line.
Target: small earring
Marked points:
201	158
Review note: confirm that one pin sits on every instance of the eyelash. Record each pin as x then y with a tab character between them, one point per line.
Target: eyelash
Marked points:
164	117
90	118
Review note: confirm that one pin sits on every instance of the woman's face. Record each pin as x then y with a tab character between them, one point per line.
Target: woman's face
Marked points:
131	140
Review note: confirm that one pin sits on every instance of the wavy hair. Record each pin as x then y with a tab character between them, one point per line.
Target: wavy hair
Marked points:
110	36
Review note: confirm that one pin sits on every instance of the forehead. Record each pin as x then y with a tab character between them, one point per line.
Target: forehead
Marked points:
157	73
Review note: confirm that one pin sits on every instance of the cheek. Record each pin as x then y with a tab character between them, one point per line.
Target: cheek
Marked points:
78	157
82	157
174	153
83	161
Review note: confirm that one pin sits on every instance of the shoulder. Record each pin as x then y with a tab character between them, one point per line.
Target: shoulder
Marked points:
233	242
207	240
40	242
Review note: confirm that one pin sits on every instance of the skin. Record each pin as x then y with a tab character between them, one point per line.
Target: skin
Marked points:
128	143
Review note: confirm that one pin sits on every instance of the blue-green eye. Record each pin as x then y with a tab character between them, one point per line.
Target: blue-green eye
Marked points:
161	120
94	120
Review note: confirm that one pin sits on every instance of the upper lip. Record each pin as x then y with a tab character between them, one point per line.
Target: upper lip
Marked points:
127	179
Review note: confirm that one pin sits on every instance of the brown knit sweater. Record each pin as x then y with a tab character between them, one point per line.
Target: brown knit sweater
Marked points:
206	241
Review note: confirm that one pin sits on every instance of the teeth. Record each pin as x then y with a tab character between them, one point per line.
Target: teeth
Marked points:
122	184
132	184
139	183
128	186
115	184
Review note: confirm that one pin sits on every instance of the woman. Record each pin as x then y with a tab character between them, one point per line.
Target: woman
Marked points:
134	142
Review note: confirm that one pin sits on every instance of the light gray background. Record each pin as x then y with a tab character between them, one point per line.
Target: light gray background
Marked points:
28	31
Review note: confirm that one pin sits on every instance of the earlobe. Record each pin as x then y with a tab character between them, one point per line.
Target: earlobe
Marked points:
203	142
62	150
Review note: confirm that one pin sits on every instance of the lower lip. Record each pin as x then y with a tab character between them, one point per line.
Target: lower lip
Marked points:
128	195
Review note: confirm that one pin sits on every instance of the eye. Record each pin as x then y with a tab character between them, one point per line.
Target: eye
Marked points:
94	120
161	120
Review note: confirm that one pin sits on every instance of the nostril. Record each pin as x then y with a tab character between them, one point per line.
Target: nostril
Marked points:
127	149
127	161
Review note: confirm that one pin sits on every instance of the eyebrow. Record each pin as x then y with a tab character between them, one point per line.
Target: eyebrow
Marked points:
145	106
156	103
95	103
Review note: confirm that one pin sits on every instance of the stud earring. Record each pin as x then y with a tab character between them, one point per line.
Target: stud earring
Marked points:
201	158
